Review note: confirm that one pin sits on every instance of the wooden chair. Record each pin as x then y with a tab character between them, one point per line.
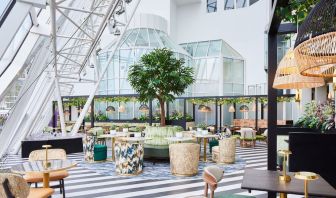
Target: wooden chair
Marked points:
247	137
212	175
53	154
12	185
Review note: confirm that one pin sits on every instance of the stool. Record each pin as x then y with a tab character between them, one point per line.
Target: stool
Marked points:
213	143
100	152
215	153
184	158
129	158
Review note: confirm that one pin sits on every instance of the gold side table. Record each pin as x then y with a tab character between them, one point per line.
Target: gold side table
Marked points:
306	176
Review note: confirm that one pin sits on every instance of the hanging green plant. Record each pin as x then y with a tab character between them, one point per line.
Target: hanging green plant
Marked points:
199	101
118	99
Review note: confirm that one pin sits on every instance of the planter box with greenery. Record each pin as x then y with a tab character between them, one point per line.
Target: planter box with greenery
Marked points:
318	116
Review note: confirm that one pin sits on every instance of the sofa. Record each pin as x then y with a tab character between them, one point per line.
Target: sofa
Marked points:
158	146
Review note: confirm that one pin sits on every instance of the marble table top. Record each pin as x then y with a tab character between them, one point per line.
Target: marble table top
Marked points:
39	166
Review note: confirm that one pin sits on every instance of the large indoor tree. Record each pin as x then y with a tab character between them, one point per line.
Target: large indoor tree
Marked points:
160	75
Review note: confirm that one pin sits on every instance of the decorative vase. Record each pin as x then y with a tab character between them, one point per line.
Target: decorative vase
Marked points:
179	135
113	132
137	134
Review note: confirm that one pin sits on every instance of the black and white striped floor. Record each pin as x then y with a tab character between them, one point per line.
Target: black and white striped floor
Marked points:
84	183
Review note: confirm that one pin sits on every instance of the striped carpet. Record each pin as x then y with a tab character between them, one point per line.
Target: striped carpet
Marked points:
86	183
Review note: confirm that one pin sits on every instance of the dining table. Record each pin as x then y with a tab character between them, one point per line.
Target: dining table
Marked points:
43	167
205	138
267	180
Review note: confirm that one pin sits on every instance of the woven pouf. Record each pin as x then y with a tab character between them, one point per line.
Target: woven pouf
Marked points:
227	150
184	158
215	153
128	158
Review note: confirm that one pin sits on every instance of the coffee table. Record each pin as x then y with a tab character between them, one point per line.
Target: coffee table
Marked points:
39	167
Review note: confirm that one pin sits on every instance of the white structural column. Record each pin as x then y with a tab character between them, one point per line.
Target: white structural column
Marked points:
92	94
54	49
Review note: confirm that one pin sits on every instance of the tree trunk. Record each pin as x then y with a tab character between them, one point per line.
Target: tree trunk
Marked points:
163	113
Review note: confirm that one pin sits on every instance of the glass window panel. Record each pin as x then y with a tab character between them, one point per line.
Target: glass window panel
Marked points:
212	5
153	38
166	41
238	89
253	2
191	48
15	44
130	41
142	39
228	4
3	6
215	48
237	69
241	3
202	49
227	76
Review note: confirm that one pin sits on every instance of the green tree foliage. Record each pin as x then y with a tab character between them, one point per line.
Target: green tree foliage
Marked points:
296	11
160	75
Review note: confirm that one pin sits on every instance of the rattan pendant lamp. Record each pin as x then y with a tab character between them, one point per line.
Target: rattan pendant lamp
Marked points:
315	45
288	77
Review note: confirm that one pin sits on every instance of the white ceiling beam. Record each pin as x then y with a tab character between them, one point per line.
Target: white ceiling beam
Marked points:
81	10
74	23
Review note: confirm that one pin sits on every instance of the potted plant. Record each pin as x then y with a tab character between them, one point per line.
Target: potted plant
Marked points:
125	128
159	75
113	129
201	127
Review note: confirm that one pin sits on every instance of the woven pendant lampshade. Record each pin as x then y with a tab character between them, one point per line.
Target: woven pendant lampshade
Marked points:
232	109
122	109
204	108
110	109
288	77
143	108
315	45
244	108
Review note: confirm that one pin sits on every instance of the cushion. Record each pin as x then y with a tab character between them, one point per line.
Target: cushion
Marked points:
261	137
265	132
100	147
215	172
5	186
40	192
35	177
248	139
234	196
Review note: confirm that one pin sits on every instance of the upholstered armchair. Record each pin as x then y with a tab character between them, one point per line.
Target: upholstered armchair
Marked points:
247	137
15	186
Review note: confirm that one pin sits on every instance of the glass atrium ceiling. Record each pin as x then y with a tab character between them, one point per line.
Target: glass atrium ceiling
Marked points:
133	45
211	48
